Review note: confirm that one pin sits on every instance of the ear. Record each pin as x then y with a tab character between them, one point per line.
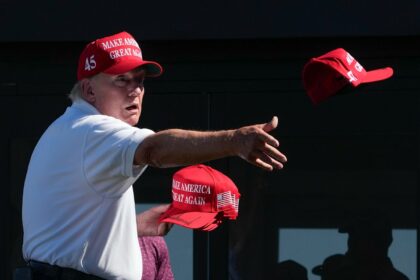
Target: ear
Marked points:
87	91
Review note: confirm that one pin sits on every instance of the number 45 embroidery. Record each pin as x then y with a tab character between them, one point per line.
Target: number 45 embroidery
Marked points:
90	63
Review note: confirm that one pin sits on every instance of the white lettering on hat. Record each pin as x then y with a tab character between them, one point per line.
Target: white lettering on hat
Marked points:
90	63
118	42
112	43
137	52
177	197
131	42
193	188
349	58
358	67
351	76
191	199
120	53
175	184
124	52
195	200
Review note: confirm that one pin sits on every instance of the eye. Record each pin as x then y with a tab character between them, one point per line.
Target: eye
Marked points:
140	83
121	81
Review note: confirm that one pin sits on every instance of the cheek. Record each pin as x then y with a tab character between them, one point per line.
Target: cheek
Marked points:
105	103
109	104
140	97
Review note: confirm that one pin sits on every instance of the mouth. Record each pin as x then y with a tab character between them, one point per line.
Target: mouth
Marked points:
133	107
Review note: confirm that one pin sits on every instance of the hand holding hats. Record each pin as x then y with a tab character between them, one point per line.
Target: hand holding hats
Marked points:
147	224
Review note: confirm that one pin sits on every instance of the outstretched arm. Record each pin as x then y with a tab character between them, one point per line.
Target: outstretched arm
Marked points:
177	147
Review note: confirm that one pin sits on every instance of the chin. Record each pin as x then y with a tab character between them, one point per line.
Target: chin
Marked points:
132	121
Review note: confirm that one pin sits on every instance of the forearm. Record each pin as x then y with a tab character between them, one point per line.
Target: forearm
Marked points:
176	147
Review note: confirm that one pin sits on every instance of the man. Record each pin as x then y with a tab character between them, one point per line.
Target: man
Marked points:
78	205
369	238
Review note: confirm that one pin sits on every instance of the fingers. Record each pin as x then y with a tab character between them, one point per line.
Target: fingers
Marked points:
273	153
265	161
267	127
264	152
271	125
160	208
255	145
164	228
148	222
153	229
267	138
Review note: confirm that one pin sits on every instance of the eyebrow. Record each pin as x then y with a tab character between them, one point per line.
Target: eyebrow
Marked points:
124	76
136	75
132	75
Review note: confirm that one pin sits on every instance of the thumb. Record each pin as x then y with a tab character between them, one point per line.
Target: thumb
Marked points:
164	228
160	208
271	124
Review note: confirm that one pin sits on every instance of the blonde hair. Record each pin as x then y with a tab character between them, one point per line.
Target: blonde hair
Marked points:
76	92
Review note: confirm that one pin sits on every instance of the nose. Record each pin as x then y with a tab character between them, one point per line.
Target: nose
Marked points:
136	92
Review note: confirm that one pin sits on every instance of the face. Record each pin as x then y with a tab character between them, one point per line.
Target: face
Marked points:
118	96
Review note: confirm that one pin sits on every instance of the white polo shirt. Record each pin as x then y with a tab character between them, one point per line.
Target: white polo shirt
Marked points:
78	202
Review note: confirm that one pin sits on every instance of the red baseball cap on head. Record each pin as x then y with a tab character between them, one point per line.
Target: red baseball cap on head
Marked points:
326	75
115	54
201	197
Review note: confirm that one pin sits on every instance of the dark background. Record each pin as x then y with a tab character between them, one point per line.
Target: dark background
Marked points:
228	64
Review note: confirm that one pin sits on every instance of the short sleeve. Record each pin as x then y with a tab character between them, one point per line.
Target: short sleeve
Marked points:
108	155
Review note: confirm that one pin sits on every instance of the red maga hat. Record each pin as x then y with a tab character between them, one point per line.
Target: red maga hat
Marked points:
326	75
201	198
115	54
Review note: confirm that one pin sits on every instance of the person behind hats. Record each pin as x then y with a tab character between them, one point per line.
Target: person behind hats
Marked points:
369	238
78	204
290	270
155	254
335	267
156	261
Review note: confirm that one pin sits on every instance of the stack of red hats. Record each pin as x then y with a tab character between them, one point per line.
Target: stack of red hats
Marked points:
202	198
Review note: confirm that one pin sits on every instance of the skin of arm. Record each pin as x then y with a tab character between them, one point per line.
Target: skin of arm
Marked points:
178	147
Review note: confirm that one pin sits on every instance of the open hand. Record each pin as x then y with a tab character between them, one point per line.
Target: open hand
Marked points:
254	144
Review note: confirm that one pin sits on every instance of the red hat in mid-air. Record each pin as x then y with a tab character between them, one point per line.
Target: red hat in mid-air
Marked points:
326	75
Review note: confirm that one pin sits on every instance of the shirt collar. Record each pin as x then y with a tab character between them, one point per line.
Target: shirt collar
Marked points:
82	105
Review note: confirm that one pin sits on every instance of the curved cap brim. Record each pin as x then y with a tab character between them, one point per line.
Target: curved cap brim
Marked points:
378	75
317	270
153	69
194	220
